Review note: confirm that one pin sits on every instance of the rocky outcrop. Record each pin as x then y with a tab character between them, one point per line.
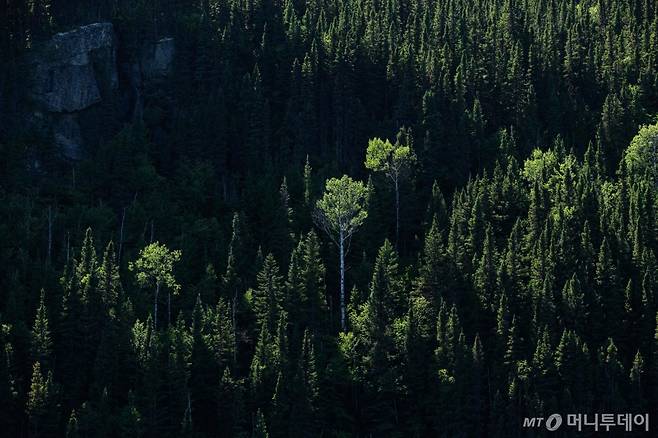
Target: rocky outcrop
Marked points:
157	58
69	72
75	72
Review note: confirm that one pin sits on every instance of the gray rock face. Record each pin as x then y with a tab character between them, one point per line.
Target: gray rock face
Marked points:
69	71
157	58
75	70
67	136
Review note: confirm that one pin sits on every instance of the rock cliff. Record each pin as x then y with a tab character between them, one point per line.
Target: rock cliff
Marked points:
68	71
75	70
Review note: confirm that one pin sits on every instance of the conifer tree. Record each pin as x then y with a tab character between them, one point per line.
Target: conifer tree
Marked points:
484	279
72	428
42	403
262	377
313	272
260	428
130	420
41	340
436	276
203	371
268	295
109	281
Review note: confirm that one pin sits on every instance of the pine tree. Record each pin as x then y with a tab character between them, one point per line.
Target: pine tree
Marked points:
484	281
574	313
607	282
8	394
262	377
41	341
72	428
268	295
513	351
203	372
231	409
42	403
260	428
636	380
478	382
613	374
313	272
71	341
109	281
436	273
437	208
130	420
543	366
387	299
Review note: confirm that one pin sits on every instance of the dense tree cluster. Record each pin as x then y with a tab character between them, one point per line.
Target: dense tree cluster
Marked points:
491	255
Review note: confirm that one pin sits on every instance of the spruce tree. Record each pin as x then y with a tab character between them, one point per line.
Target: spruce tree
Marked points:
41	341
268	295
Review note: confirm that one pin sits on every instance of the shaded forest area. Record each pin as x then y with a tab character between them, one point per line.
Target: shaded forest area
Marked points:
185	277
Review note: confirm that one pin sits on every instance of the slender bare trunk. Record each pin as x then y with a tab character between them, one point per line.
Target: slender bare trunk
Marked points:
123	219
50	233
155	312
342	281
68	247
397	213
235	327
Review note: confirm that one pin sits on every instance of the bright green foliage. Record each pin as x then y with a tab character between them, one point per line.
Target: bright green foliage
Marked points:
641	156
390	158
154	268
394	160
41	339
341	210
41	403
85	269
262	372
155	265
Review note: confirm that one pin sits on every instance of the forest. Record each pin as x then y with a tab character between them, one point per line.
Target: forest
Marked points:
331	218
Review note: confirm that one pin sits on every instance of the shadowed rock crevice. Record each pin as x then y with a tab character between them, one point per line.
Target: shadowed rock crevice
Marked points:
76	70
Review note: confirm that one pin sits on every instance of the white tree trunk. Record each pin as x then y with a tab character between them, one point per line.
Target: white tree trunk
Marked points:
235	327
397	212
155	312
123	219
50	233
342	281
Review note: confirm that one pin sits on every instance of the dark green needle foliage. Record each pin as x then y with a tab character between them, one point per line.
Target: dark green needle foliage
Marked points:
327	218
